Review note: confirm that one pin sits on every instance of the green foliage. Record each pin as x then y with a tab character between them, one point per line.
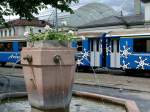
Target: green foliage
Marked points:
51	35
4	10
26	8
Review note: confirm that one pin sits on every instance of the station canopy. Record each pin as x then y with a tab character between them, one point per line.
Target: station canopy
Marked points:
89	13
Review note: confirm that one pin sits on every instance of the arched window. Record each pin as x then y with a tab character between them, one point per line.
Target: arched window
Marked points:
14	31
5	32
9	32
1	33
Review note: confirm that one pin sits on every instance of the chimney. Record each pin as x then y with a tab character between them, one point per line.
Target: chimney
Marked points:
146	11
137	7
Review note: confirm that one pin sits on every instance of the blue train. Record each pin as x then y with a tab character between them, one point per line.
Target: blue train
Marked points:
127	52
10	51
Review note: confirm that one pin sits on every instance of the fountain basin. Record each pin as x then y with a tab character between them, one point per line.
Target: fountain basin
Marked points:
81	102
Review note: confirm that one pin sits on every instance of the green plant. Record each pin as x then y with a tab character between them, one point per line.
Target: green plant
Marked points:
27	8
51	35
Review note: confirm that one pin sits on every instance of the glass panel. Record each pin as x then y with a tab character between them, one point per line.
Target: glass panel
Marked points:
8	46
112	45
79	49
117	45
92	47
2	48
21	45
139	45
97	45
79	45
148	45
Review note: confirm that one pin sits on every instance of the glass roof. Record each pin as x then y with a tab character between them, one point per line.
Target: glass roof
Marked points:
89	13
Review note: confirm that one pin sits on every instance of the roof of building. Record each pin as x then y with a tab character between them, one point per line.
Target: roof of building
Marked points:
115	20
89	12
101	15
24	22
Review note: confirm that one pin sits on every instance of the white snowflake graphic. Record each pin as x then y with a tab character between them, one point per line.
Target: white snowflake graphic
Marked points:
108	50
108	47
79	62
125	66
125	52
141	63
84	56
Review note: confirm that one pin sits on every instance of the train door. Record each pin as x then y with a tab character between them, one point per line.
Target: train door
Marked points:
95	52
103	52
115	54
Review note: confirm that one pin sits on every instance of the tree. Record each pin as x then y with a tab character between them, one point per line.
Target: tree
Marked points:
26	8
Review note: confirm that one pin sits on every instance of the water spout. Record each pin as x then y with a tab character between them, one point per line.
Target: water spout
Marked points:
28	58
57	59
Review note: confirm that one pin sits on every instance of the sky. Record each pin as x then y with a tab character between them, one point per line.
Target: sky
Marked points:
126	6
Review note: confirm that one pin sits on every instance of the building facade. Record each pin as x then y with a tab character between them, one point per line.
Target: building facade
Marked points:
15	29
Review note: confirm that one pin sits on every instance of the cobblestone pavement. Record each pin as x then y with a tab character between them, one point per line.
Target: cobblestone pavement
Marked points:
9	70
129	87
116	81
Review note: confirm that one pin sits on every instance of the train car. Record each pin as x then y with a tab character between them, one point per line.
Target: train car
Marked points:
10	51
91	50
127	52
97	50
132	51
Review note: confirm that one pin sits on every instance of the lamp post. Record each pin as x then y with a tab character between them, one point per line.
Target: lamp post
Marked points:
56	15
56	20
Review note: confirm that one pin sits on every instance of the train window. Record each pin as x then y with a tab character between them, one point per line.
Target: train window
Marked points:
92	47
148	45
2	47
141	45
112	45
117	45
7	47
97	46
79	45
21	45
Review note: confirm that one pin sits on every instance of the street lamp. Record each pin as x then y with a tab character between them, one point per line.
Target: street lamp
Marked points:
56	20
56	15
